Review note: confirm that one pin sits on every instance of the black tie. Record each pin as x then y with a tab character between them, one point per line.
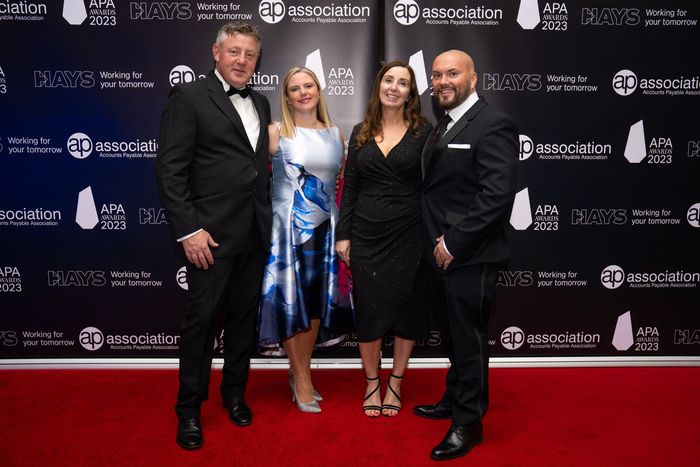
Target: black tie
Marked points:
442	126
241	92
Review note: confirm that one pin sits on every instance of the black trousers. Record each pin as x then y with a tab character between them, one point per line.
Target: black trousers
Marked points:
461	297
231	286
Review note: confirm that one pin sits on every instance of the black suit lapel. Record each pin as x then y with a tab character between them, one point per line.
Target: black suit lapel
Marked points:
260	109
223	102
430	156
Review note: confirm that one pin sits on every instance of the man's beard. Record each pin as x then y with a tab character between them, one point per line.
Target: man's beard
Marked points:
457	98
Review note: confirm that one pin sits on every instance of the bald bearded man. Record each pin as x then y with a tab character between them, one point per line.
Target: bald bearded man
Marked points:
469	171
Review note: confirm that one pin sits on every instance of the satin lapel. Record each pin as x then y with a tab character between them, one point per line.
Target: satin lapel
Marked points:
223	102
427	153
259	108
456	129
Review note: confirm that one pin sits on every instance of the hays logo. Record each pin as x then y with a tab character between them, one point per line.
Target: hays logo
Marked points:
8	338
406	12
598	216
91	338
693	215
512	338
76	278
511	82
160	11
681	336
79	145
64	79
181	74
515	278
693	146
610	16
521	215
272	11
152	216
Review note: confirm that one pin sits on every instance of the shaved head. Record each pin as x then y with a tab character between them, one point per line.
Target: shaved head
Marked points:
453	78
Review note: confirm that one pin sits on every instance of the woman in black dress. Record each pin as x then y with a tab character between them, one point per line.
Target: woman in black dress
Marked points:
380	217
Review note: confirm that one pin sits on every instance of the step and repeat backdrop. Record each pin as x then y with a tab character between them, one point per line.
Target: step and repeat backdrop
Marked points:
605	230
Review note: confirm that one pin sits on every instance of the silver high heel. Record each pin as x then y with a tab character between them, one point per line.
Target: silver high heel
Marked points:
308	407
315	393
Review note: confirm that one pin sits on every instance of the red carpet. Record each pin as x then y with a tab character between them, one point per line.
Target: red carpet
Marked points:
549	416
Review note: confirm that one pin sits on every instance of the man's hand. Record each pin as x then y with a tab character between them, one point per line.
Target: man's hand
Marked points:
442	258
343	249
197	249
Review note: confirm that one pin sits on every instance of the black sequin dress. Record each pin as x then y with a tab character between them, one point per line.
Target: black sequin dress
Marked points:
380	213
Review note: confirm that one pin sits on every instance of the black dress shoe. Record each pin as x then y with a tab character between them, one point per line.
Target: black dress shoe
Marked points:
437	411
189	433
238	411
458	441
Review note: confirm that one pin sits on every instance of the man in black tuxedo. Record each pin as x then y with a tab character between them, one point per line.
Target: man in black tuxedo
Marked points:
469	169
212	169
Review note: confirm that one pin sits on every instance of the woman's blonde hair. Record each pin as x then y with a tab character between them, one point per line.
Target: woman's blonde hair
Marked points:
287	126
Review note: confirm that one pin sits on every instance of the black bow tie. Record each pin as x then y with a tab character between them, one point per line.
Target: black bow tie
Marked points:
245	92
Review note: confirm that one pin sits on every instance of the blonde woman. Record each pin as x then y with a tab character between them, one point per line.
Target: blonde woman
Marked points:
302	305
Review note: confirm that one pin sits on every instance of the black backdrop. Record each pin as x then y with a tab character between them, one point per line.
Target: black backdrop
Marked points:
604	232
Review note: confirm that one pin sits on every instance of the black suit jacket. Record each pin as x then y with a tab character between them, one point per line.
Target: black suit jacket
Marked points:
469	186
209	175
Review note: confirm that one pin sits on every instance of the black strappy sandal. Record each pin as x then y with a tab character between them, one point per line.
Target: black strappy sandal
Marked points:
372	407
397	408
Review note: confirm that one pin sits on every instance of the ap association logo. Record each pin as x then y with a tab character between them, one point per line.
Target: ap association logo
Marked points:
526	147
624	82
272	11
79	145
181	278
512	338
406	12
91	338
693	215
612	277
181	74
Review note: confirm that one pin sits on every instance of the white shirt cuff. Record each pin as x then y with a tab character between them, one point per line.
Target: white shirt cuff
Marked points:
189	235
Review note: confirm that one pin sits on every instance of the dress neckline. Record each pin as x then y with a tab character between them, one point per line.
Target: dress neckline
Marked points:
392	148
